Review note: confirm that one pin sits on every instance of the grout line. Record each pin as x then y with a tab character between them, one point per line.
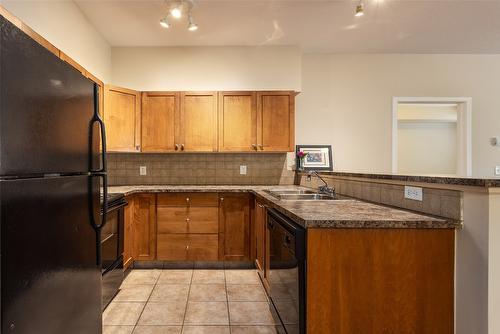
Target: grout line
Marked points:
145	304
227	301
187	300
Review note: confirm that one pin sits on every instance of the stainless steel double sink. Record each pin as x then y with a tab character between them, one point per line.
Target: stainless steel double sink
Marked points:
303	195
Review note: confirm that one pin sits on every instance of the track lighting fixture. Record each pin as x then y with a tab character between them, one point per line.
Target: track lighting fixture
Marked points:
177	9
191	25
359	10
164	22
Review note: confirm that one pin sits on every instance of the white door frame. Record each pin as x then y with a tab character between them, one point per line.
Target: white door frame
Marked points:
464	124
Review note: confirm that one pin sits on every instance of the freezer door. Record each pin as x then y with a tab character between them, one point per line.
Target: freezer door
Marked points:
50	278
45	109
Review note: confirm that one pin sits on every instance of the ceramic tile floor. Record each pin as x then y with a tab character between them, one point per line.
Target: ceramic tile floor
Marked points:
190	302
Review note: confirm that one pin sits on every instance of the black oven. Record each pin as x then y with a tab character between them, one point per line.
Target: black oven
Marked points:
287	271
112	248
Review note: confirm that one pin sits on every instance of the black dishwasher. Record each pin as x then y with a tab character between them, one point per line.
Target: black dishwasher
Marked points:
287	271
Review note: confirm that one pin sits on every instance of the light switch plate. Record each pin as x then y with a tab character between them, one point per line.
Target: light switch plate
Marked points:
414	193
497	170
243	170
143	171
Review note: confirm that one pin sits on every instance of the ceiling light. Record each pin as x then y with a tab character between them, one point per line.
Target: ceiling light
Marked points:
192	26
359	10
164	23
176	11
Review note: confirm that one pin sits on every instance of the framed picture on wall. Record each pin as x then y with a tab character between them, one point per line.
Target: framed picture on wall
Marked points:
314	157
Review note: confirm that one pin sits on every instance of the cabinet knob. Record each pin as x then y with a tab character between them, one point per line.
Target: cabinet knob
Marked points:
254	146
187	248
176	147
222	199
182	147
187	220
261	147
137	147
187	199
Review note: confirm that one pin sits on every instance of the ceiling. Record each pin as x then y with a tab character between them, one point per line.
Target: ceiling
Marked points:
388	26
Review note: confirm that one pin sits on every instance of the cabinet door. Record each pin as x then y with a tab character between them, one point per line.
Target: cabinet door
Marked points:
234	227
128	236
260	227
122	116
144	227
160	121
276	121
198	119
237	121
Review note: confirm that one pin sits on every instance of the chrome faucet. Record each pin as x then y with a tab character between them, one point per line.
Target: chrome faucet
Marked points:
324	189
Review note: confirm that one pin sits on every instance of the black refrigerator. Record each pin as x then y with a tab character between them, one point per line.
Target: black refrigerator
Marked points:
51	171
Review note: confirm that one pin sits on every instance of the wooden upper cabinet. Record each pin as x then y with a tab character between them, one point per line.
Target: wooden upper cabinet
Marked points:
144	227
237	121
160	121
122	117
234	227
276	121
198	122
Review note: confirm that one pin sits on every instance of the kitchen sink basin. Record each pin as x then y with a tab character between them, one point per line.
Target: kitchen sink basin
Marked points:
303	195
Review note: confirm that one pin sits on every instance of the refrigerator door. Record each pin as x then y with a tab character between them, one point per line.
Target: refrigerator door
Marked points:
51	278
45	110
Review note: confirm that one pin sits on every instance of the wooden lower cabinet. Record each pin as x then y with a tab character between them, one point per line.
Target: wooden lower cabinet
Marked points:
259	236
234	226
187	219
188	247
190	227
128	235
144	227
380	281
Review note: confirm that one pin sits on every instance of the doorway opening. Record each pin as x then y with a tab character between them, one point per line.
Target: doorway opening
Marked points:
431	136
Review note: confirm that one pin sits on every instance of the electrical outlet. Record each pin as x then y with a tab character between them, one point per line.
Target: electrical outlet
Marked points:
243	170
414	193
497	170
143	171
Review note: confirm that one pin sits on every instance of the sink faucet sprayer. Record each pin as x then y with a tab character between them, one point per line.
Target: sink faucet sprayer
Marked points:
325	189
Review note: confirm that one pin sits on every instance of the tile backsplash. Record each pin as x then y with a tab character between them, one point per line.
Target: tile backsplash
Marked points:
438	202
199	169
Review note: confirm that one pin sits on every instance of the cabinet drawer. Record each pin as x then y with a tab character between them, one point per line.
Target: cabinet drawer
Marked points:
193	247
187	219
172	247
203	247
188	199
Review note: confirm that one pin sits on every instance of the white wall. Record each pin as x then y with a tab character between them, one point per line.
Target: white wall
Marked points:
427	148
207	68
346	101
64	25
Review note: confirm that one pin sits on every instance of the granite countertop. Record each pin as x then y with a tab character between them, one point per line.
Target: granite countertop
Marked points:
349	213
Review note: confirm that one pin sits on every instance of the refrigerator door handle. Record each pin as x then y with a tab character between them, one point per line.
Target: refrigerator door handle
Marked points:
95	225
97	119
98	226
